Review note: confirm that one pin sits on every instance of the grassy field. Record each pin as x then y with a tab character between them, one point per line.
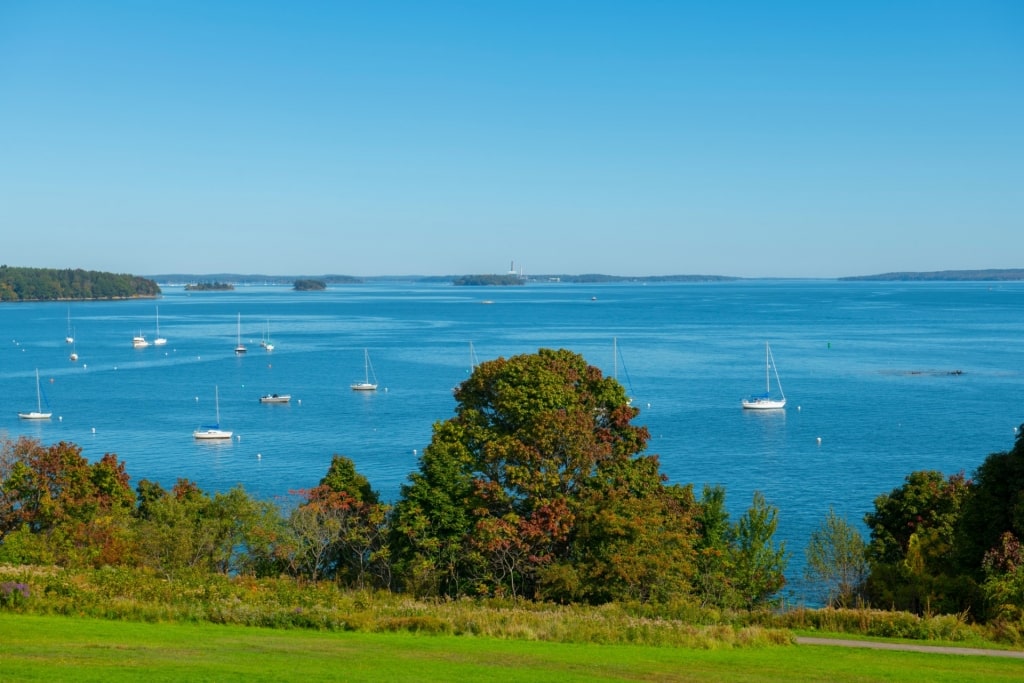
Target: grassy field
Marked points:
71	649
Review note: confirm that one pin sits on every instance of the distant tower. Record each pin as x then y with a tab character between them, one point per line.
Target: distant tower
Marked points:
512	267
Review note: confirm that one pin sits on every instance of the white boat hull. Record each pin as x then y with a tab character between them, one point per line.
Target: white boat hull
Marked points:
35	416
764	403
211	434
276	398
364	386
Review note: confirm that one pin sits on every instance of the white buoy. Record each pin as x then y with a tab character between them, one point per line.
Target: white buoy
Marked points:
238	437
798	408
819	440
259	456
60	418
93	430
414	451
197	399
300	401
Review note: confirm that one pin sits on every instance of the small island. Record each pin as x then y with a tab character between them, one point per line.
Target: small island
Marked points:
209	287
309	285
487	280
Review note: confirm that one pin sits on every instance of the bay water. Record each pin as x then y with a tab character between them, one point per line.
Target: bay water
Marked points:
882	379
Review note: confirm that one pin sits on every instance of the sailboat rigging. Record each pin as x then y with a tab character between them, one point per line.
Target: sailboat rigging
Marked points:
159	341
239	347
616	354
765	401
70	338
366	384
38	413
213	431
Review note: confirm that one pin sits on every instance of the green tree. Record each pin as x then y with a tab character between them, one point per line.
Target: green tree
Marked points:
837	560
758	566
713	577
911	552
537	487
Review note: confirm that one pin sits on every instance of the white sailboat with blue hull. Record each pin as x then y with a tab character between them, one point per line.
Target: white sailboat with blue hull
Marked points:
213	431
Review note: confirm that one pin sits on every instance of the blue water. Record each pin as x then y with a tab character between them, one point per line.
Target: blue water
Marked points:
867	368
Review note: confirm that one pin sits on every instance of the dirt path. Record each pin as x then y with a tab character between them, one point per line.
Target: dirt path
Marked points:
936	649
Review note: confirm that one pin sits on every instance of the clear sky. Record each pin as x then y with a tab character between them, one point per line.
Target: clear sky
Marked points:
762	138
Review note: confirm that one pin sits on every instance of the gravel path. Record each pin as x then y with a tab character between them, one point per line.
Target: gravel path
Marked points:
1016	654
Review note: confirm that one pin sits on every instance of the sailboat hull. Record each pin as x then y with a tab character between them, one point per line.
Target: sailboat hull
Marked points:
35	416
764	403
211	434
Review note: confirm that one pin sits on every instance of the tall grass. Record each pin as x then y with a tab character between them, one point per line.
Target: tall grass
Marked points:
285	603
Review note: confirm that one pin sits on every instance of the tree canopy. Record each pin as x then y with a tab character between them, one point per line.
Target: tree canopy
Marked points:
50	284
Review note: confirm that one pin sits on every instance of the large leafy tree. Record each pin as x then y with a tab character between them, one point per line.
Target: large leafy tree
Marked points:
339	531
537	487
911	553
57	507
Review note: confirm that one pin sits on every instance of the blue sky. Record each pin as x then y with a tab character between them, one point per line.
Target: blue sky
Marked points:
756	139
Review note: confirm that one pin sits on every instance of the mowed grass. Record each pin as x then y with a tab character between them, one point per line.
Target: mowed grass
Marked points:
72	649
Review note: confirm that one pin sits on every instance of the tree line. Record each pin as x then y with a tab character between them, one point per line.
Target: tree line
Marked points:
50	284
538	487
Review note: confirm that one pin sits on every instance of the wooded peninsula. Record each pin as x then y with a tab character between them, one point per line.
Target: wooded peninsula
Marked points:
51	284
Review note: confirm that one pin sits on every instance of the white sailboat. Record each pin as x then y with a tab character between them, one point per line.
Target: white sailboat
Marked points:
239	346
765	401
139	341
366	384
70	339
38	413
615	368
74	350
159	341
213	431
265	342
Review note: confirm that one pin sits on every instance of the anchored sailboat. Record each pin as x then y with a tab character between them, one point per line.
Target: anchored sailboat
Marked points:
213	431
239	346
38	413
366	384
765	401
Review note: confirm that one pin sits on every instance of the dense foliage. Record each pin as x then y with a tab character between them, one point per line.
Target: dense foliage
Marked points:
482	280
209	287
50	284
309	285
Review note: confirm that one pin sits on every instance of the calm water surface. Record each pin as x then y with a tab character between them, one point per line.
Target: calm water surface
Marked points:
892	377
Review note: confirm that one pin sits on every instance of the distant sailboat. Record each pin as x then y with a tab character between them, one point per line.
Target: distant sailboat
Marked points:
765	401
366	384
265	342
213	431
70	339
239	346
615	367
74	351
38	413
159	341
139	341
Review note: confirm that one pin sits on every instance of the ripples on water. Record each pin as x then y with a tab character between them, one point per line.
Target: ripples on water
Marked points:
870	368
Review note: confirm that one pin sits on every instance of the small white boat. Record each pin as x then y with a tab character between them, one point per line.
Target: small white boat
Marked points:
74	351
366	384
239	346
71	337
766	401
159	341
38	413
213	431
275	398
265	342
139	341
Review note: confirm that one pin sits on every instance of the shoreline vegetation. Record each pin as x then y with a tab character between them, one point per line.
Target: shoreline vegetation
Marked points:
51	284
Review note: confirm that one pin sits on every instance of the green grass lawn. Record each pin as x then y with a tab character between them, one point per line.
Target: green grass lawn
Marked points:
81	650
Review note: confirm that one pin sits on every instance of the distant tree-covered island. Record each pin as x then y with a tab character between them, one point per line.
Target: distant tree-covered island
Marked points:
488	280
52	284
309	285
209	287
989	275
